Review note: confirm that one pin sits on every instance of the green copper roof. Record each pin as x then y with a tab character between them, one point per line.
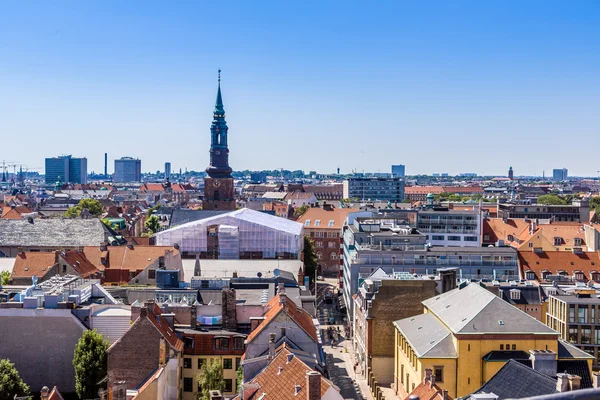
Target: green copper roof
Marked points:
219	103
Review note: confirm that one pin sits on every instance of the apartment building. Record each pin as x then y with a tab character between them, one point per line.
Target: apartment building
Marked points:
445	227
385	189
578	211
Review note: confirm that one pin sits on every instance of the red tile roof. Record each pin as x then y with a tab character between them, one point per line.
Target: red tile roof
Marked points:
300	316
122	257
154	316
280	384
427	391
337	215
497	229
55	394
79	263
555	261
28	264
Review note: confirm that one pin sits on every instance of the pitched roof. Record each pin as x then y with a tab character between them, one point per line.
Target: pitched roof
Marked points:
14	212
426	391
28	264
122	257
515	380
555	261
474	309
276	384
566	231
302	318
55	394
79	263
337	215
52	232
428	337
497	229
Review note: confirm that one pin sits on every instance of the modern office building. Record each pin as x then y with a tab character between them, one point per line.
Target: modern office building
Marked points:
384	189
128	169
578	211
167	170
576	318
445	227
398	171
560	174
66	169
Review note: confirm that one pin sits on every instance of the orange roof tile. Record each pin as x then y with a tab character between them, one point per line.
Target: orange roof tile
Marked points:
55	394
79	263
154	316
280	384
566	231
426	391
300	316
555	261
497	229
337	215
28	264
122	257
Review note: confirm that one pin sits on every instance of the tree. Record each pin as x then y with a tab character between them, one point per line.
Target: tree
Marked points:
210	378
11	384
152	224
300	210
151	210
4	278
310	257
551	199
595	204
89	361
240	378
92	205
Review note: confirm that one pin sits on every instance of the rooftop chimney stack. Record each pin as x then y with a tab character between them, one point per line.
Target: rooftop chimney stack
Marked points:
313	385
596	380
282	299
543	361
229	309
562	382
574	382
45	393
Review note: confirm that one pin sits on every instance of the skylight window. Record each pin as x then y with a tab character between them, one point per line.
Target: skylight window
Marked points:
307	222
318	222
331	222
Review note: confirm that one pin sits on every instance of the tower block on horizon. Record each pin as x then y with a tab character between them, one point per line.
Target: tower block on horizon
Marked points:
218	185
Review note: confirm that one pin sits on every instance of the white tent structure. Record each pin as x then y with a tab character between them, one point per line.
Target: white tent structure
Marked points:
237	234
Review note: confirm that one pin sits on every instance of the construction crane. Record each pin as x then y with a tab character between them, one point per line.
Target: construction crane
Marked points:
4	165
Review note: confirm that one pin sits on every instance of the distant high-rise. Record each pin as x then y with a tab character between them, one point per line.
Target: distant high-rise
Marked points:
167	170
560	174
128	169
66	169
105	165
398	171
510	173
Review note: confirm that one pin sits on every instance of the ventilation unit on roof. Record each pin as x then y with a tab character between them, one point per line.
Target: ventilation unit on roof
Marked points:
495	283
512	283
528	283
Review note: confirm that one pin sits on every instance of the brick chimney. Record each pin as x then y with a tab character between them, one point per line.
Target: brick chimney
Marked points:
596	380
193	316
428	373
574	382
445	394
562	382
228	309
271	346
313	385
282	299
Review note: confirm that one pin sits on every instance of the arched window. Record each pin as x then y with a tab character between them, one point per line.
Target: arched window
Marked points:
333	256
216	195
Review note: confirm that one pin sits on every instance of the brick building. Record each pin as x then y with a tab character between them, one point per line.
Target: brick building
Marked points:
324	227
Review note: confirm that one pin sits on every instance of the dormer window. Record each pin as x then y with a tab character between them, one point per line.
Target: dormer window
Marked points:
318	222
307	222
515	294
511	238
578	241
331	222
578	275
530	275
557	241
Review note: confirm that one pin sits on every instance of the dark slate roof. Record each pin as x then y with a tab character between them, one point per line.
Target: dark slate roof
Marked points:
576	367
52	232
515	380
529	295
499	355
567	350
183	216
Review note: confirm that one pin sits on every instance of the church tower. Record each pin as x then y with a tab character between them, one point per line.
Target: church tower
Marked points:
218	184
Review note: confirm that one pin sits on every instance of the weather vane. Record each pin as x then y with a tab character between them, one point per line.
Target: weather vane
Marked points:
219	75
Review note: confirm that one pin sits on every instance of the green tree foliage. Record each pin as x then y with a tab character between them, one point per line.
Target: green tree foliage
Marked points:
551	199
4	277
210	378
240	378
300	210
152	224
595	204
89	361
11	383
310	257
151	210
92	205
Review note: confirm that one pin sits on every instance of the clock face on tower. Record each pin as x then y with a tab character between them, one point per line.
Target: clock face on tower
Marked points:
216	183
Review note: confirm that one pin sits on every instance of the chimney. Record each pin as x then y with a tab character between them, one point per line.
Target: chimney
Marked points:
272	346
170	318
255	322
300	276
103	246
45	393
282	299
432	381
428	373
543	361
562	382
596	380
143	312
176	246
229	309
313	385
574	382
444	394
215	395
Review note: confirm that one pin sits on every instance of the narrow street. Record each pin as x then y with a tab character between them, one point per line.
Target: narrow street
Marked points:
336	347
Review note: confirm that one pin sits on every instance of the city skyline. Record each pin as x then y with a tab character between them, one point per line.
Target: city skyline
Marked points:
305	88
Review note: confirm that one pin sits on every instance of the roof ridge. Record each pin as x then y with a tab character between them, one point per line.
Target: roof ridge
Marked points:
491	299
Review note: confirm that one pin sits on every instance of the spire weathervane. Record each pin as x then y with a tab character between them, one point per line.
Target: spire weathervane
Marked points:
219	75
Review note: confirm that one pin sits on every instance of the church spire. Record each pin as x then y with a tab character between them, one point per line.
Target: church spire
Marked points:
219	110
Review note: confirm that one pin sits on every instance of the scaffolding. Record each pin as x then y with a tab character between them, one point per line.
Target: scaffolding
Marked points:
238	232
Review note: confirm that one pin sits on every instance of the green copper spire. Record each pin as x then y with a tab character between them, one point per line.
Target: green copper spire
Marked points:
219	110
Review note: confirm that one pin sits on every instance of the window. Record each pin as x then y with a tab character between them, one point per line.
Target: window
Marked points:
331	222
200	362
187	384
578	241
437	237
514	347
307	222
470	238
238	343
64	269
573	335
530	245
571	313
530	275
221	343
439	374
557	241
331	244
319	244
454	238
228	386
152	274
319	255
582	315
187	363
188	342
507	346
586	335
515	294
227	363
318	222
333	256
501	347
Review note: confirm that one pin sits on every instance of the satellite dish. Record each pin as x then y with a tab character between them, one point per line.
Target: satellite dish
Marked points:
276	272
259	274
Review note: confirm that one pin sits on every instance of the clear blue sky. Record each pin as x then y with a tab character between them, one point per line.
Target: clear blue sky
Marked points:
444	86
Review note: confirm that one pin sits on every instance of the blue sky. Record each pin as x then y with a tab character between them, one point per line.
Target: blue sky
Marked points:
461	86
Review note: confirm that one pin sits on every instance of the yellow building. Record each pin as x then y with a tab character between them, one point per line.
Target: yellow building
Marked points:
465	336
